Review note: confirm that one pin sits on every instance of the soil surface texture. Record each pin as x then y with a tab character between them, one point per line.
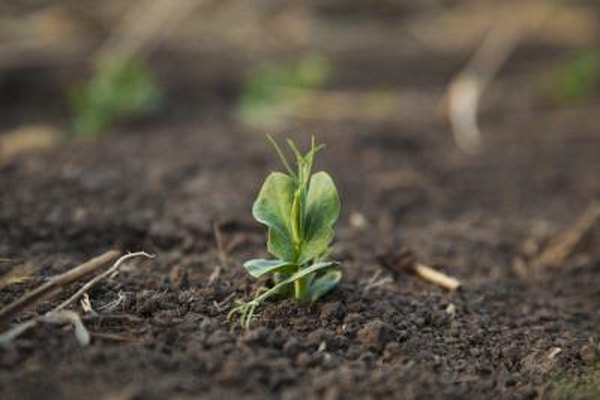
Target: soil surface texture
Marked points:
185	196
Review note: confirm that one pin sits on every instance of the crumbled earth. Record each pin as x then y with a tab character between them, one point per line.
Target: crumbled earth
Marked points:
383	333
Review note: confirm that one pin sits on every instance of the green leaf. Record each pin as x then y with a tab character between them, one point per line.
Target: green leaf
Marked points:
324	284
322	210
324	265
281	246
273	208
260	267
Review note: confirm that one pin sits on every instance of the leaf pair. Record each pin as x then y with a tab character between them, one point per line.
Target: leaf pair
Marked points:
299	212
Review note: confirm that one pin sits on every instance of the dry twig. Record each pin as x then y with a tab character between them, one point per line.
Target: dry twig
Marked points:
561	248
214	275
404	262
221	252
94	281
61	317
466	88
19	274
86	305
58	315
436	277
61	280
27	139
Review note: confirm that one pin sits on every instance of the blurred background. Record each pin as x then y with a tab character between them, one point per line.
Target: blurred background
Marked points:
72	69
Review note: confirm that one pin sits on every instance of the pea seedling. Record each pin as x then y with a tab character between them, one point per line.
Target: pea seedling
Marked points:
299	208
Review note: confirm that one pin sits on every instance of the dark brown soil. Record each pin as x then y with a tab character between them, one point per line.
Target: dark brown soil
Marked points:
164	190
167	186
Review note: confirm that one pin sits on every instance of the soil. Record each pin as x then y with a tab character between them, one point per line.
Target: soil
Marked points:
167	187
492	338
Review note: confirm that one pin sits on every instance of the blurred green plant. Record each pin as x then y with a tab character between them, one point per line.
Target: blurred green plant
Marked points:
272	91
119	89
583	387
583	384
576	78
